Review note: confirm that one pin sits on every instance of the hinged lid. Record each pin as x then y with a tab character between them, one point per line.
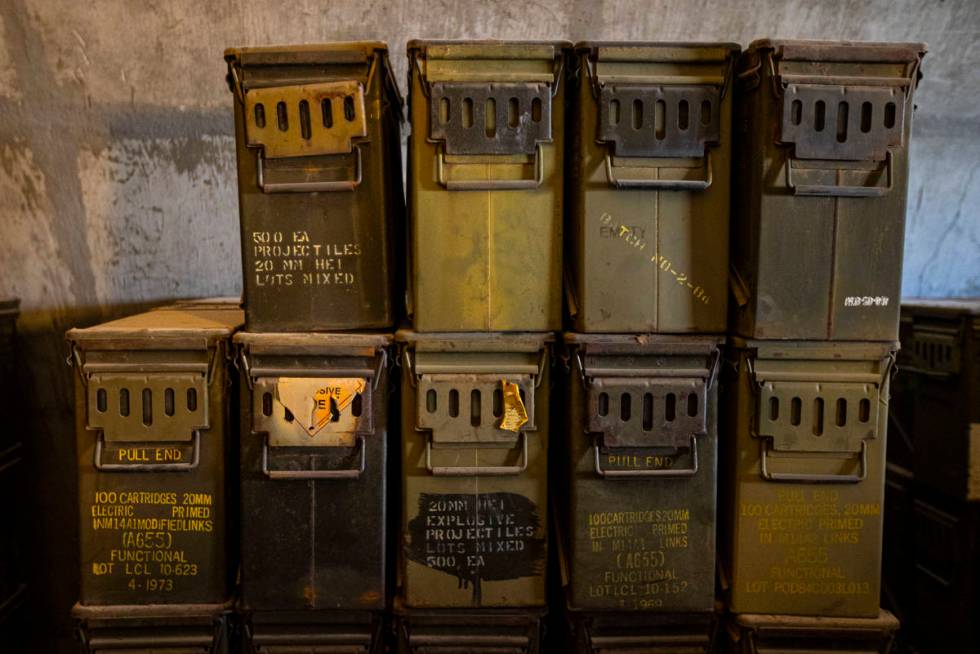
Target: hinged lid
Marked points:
305	120
156	407
470	408
647	412
496	118
819	397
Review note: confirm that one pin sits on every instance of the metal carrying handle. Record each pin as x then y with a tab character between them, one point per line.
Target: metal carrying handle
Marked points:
661	184
490	184
648	472
311	187
147	467
841	191
468	471
802	477
349	473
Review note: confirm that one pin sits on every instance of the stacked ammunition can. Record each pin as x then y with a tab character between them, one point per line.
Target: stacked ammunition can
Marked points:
932	527
379	469
648	273
819	212
485	187
319	178
154	442
14	553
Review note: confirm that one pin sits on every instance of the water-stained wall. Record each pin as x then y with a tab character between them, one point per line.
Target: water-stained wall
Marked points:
117	184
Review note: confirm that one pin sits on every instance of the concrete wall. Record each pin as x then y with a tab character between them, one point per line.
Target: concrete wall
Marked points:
117	183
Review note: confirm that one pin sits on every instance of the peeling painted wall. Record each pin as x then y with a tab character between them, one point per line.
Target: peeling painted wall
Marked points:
117	184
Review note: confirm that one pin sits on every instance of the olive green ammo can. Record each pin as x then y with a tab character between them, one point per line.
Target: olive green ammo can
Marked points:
319	185
820	184
152	424
485	185
474	485
939	370
806	475
641	441
460	464
314	461
650	143
785	634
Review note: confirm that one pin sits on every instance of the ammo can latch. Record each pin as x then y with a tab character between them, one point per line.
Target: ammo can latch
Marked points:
657	116
661	409
489	120
304	120
134	403
795	415
936	349
322	407
827	117
469	410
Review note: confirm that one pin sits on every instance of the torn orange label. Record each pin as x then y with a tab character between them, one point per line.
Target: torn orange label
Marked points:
515	415
316	402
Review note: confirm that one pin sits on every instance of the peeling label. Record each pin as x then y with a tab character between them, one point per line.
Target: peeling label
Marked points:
515	415
316	402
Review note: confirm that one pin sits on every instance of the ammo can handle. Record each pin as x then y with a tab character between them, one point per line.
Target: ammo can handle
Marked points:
472	471
633	473
490	184
802	477
661	184
349	473
826	190
147	467
311	187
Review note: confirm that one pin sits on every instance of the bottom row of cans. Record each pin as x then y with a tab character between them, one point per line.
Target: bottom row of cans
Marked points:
601	451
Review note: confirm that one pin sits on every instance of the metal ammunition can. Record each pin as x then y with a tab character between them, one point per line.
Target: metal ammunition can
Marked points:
475	631
14	564
939	373
9	311
821	146
898	532
159	629
946	574
152	417
648	186
314	454
319	184
485	185
762	634
628	632
15	559
641	445
474	470
806	476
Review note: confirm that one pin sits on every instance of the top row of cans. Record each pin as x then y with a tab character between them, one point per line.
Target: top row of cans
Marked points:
801	238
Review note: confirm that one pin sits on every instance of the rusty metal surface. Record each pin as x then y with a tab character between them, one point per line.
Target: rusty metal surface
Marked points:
802	525
154	513
822	152
640	475
314	517
615	632
485	186
648	187
186	629
939	377
474	501
486	631
318	178
769	634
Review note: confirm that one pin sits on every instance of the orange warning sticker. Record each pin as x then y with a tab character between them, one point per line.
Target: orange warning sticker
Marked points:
515	415
316	402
